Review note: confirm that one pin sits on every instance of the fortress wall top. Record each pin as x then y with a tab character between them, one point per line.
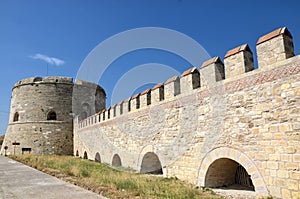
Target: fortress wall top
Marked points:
55	79
172	87
190	80
238	61
126	105
271	49
274	47
118	109
107	113
135	102
145	98
49	79
212	71
157	93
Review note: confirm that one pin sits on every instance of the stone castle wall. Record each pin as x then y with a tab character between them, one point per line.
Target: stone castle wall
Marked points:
42	111
203	126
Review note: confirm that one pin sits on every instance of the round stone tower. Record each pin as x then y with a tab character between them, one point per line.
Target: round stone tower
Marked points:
42	111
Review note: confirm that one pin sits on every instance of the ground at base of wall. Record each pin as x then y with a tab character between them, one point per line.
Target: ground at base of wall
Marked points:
110	182
235	191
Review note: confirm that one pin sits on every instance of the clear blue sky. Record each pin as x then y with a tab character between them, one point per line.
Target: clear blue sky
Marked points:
68	30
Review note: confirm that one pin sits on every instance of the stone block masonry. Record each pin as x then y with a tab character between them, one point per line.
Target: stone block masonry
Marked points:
219	125
41	114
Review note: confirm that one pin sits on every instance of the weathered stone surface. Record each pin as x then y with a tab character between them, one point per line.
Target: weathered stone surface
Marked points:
33	99
203	133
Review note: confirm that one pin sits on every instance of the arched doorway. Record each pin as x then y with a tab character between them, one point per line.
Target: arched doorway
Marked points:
151	164
85	156
97	157
233	158
116	161
225	172
77	153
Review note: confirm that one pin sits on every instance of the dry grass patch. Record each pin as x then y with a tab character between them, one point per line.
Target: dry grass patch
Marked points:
110	182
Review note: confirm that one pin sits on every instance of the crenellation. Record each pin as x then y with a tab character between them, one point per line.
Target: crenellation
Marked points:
145	98
135	102
189	80
238	61
114	110
119	109
157	94
274	47
127	105
108	113
172	87
211	72
98	118
104	115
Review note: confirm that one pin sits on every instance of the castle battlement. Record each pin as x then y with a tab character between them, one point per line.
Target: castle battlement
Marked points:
49	79
272	49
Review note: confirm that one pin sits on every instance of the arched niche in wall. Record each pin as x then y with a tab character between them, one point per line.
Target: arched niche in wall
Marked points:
116	161
51	115
16	117
151	164
98	157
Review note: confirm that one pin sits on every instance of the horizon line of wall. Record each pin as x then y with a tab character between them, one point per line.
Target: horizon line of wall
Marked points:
271	49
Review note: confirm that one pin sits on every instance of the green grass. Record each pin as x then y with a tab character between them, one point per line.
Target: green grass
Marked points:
110	182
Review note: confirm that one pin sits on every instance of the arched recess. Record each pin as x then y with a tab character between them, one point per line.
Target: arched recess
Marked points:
16	117
77	153
151	152
229	157
85	156
97	157
225	172
151	164
51	115
116	161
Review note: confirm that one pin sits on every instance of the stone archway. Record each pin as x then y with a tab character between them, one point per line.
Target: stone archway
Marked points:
97	157
151	164
233	158
225	172
116	161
